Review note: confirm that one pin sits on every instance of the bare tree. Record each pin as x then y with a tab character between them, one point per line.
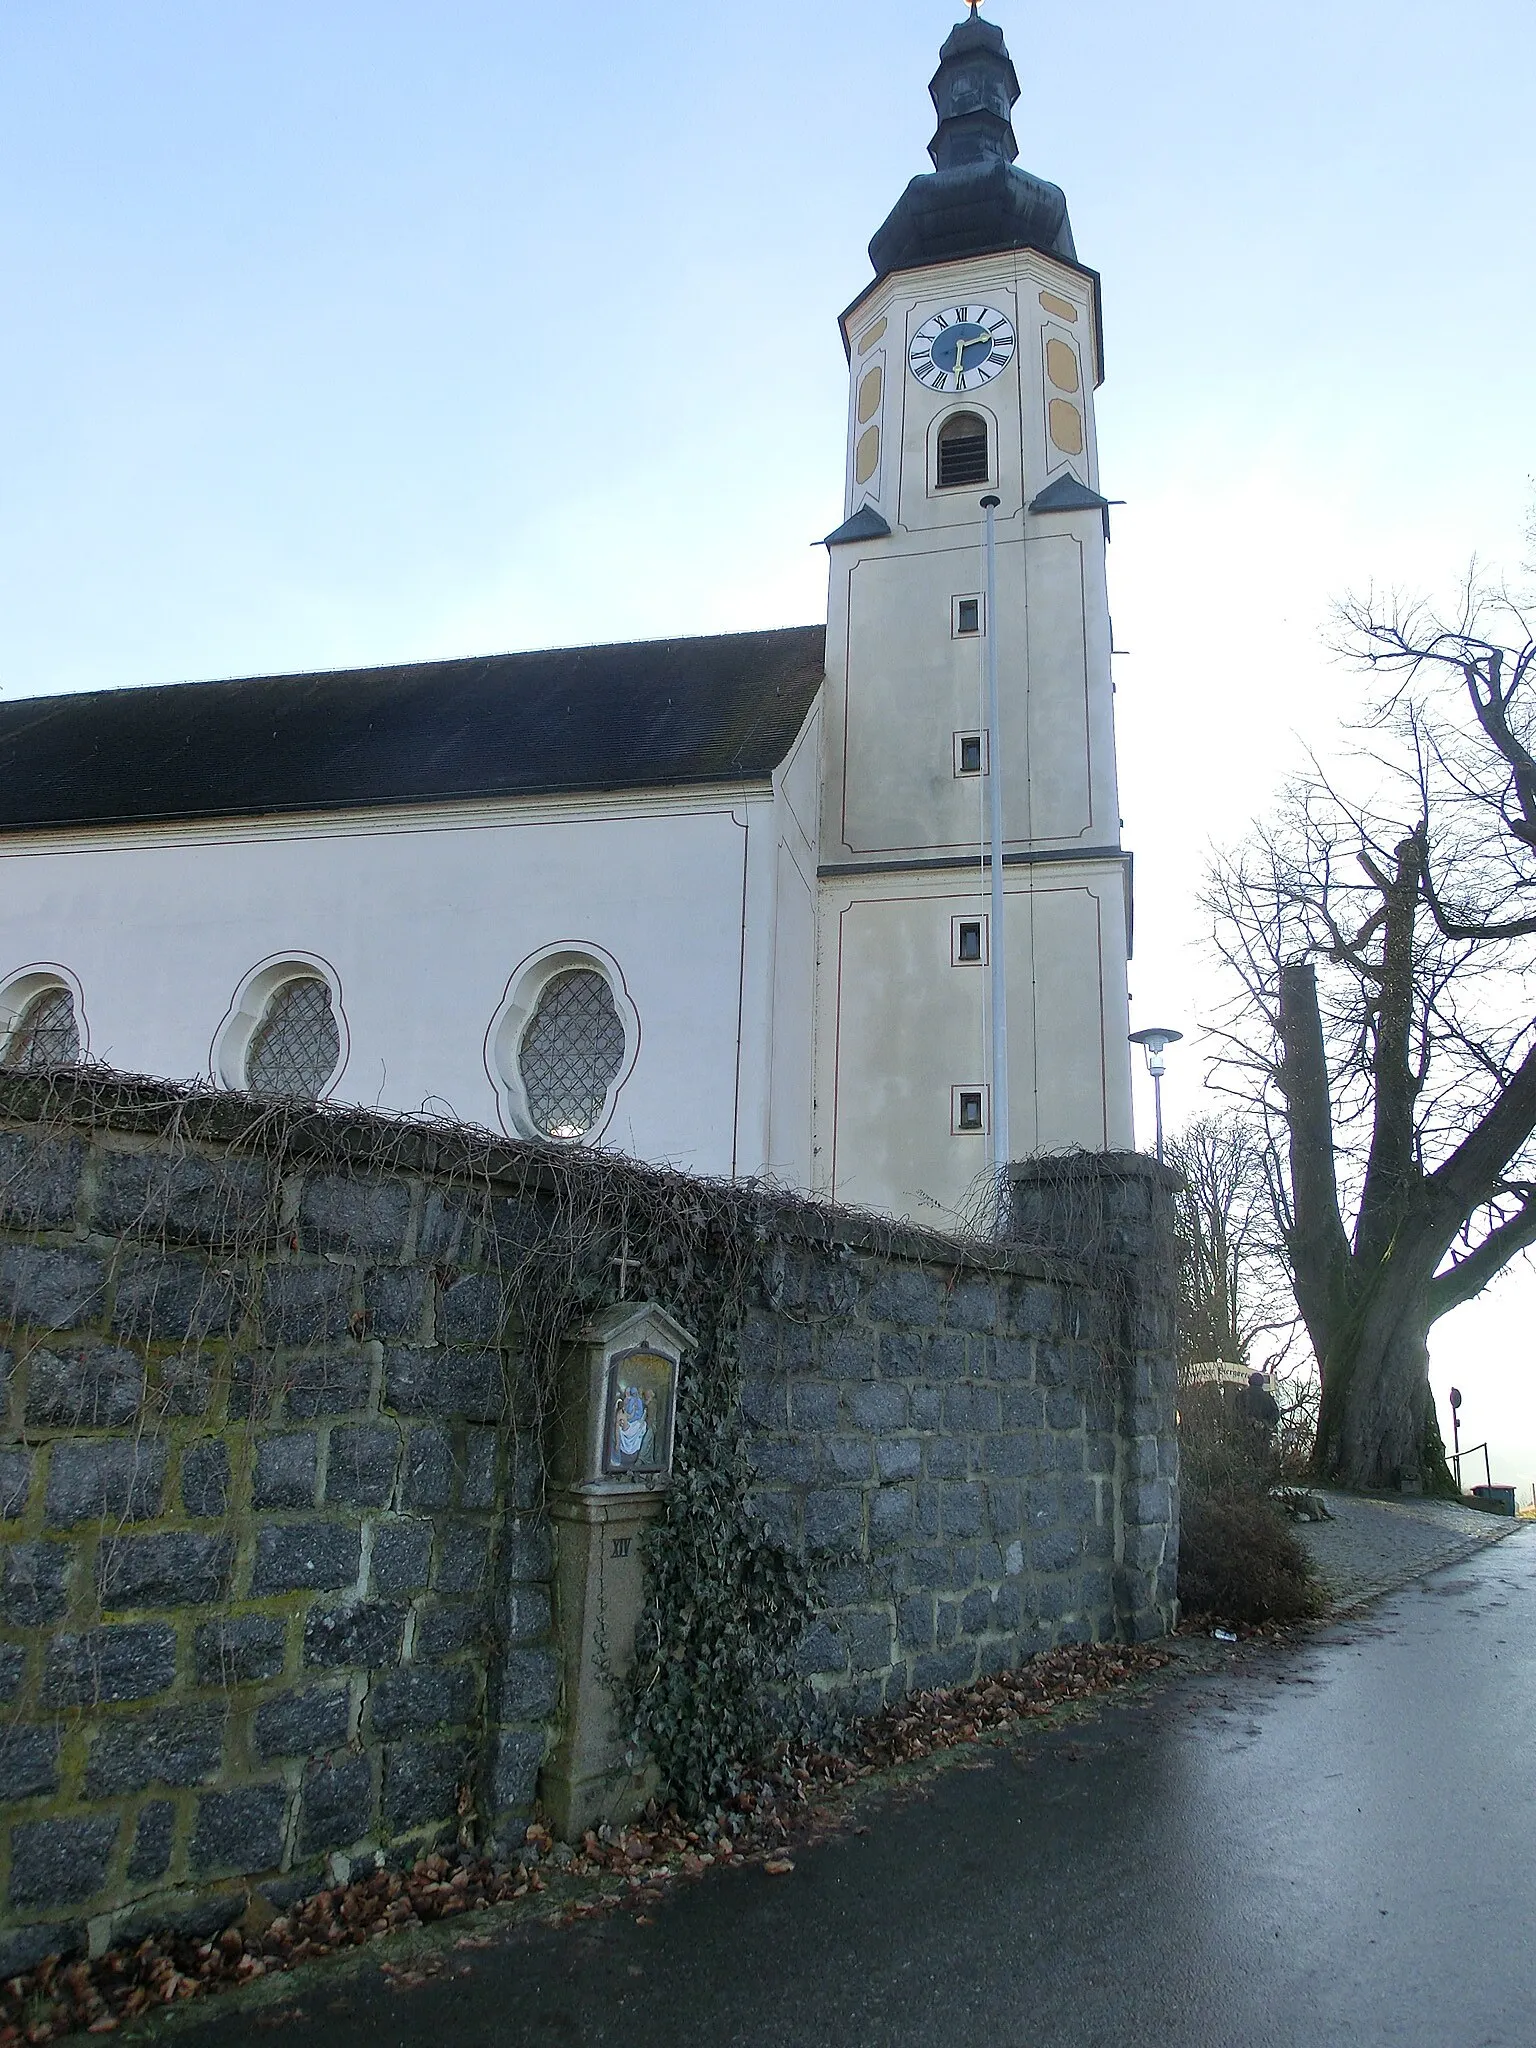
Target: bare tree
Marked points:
1381	942
1236	1303
1235	1299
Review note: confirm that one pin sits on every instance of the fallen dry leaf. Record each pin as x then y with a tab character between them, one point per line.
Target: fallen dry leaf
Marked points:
795	1801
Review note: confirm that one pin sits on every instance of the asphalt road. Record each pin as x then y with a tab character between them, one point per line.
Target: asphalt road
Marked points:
1325	1845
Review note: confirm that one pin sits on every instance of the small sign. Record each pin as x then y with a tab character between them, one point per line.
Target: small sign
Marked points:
637	1408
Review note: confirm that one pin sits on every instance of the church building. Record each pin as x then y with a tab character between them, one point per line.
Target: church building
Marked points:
724	903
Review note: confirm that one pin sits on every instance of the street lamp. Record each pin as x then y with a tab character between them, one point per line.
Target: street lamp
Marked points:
1154	1042
1001	1142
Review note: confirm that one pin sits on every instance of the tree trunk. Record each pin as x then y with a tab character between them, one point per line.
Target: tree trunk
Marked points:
1377	1427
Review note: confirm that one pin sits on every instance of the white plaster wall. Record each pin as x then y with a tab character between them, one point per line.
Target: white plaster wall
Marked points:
797	790
908	686
900	685
1018	400
789	1148
902	1026
897	1025
424	917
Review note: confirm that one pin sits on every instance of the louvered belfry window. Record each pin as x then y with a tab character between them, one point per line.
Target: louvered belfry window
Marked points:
46	1034
571	1049
963	457
295	1047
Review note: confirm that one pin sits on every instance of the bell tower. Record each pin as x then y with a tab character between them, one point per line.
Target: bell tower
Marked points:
974	354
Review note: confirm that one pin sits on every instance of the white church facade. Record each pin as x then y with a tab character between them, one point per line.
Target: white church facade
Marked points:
722	903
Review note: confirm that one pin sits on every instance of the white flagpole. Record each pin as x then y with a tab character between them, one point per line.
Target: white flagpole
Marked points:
1000	1135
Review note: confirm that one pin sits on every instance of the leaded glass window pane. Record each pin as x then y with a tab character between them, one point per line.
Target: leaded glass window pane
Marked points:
45	1034
295	1047
571	1049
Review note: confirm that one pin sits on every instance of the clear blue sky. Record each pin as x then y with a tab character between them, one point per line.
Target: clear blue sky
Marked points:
339	332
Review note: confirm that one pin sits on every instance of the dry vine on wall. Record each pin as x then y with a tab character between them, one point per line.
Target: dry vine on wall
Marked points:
554	1232
726	1604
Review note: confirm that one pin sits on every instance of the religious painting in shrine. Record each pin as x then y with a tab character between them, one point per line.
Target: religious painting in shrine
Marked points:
638	1412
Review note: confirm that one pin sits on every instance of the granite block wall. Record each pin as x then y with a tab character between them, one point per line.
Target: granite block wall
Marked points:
980	1470
274	1584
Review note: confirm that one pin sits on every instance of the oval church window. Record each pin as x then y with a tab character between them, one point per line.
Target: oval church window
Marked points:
46	1034
570	1053
295	1048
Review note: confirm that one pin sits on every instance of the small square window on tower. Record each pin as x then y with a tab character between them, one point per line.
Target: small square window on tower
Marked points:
970	753
968	941
967	618
968	1111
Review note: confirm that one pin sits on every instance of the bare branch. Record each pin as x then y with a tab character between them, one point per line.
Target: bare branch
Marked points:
1468	1276
1376	932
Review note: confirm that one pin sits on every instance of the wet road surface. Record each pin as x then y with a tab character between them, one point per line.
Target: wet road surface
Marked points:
1325	1845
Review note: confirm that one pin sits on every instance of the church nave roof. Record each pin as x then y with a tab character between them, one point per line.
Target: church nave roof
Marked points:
653	714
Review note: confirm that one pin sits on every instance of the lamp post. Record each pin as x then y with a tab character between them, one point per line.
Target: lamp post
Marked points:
1456	1432
1002	1150
1154	1042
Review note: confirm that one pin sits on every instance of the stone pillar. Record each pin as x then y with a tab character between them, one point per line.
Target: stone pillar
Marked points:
1111	1214
610	1463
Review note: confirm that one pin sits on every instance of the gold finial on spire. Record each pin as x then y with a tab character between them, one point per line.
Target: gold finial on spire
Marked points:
973	5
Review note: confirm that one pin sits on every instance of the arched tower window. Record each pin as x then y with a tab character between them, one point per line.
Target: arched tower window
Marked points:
964	457
571	1048
295	1048
46	1034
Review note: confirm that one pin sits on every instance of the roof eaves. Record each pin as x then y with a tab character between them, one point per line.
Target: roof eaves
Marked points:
866	524
728	785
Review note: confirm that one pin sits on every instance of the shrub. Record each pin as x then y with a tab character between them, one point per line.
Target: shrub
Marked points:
1240	1560
1239	1557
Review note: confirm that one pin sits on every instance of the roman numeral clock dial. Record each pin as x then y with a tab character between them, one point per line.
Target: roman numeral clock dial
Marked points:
962	348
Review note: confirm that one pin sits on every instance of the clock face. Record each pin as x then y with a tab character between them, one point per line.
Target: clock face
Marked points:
961	349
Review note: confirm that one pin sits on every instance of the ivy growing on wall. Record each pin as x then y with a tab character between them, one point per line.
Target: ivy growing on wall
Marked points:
563	1232
560	1233
726	1604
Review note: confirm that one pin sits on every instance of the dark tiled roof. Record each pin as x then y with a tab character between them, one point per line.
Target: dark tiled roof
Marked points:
652	715
866	524
976	210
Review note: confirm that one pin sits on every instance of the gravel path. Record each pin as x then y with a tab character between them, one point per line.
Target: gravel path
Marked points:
1373	1545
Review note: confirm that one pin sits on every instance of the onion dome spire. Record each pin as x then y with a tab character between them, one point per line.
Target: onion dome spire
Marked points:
975	200
974	93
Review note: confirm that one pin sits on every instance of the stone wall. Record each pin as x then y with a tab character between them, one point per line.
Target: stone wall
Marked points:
982	1464
272	1580
275	1572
